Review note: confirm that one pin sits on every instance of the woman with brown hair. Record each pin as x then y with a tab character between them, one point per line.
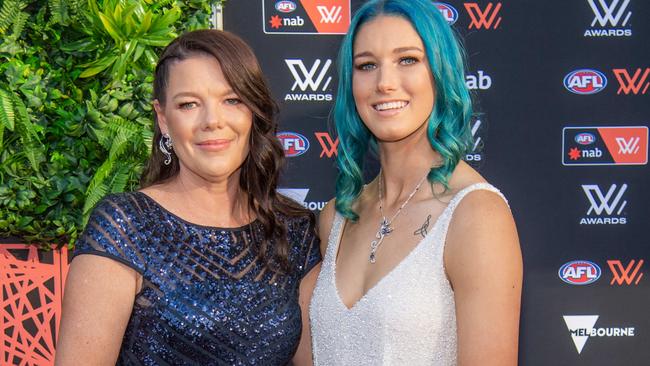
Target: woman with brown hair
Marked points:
206	264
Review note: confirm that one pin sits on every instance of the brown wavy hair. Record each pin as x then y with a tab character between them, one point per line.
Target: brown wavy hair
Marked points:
261	168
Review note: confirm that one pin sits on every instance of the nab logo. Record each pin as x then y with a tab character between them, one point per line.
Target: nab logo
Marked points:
585	138
579	272
610	20
585	81
313	82
487	18
310	17
625	274
480	81
608	207
294	144
329	146
636	83
285	6
610	145
448	12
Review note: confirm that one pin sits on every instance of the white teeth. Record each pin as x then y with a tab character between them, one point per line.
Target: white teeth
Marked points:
390	105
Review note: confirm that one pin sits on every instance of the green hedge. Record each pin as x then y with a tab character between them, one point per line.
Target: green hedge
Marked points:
75	105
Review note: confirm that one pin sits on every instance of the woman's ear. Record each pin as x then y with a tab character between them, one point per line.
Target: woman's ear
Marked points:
160	116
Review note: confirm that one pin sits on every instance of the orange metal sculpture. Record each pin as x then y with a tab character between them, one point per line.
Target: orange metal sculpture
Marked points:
32	283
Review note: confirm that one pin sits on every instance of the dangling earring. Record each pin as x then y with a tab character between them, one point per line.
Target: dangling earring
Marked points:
165	144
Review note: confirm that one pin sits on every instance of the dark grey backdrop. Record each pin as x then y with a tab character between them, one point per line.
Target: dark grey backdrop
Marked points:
522	114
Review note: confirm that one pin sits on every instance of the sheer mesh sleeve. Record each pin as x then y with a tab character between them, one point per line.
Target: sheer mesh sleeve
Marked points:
310	247
112	232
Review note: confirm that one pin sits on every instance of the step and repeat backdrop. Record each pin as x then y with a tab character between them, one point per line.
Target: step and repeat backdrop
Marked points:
562	108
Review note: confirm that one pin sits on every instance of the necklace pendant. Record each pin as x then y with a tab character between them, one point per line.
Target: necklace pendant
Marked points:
385	228
372	257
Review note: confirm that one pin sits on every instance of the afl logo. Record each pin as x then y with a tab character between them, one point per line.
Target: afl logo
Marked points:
585	138
448	12
285	6
579	272
294	144
585	81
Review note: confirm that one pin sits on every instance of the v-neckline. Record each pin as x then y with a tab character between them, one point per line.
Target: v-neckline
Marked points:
389	273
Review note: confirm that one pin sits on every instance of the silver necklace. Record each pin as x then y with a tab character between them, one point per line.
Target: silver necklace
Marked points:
385	227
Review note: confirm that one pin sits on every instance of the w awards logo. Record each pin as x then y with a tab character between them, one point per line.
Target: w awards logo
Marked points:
606	205
475	157
306	16
611	18
311	81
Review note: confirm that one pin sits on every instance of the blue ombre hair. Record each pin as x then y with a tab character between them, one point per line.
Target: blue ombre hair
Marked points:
448	125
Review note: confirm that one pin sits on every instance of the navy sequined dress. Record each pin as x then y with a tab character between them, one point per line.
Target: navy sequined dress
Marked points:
206	298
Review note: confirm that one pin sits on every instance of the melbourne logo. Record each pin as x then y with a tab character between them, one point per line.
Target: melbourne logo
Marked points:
480	81
636	82
585	81
448	12
610	19
605	206
581	327
300	195
329	146
306	16
294	144
486	18
625	274
579	272
606	145
310	84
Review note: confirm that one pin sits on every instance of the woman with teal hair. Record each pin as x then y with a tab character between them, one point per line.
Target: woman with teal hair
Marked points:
422	265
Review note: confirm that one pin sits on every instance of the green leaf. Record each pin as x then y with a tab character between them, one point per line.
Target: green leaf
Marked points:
97	66
111	28
7	117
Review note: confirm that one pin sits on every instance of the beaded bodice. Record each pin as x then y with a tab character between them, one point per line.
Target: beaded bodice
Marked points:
407	318
206	298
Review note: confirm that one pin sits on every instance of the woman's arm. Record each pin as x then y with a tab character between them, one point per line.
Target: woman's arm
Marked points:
97	304
303	356
484	264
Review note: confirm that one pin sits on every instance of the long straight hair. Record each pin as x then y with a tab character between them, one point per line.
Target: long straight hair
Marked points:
448	128
261	168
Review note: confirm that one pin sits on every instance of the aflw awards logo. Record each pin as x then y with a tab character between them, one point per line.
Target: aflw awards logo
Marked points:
611	19
605	205
310	83
605	145
306	16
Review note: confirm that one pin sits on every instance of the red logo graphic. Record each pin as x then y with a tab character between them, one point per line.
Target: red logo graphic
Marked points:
276	22
484	18
329	146
638	83
625	274
627	145
574	153
332	16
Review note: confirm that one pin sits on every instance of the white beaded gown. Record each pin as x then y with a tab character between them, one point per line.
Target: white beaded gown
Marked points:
407	318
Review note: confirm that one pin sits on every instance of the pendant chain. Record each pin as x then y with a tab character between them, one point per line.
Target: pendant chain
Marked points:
385	227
